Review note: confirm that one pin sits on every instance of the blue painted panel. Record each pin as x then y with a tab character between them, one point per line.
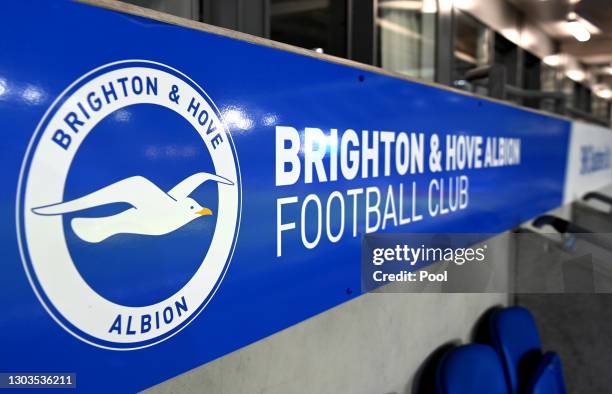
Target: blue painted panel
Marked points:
55	52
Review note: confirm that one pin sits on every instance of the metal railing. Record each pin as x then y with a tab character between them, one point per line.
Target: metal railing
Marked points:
494	78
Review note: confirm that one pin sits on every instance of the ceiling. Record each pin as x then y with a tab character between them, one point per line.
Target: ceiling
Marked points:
596	53
550	16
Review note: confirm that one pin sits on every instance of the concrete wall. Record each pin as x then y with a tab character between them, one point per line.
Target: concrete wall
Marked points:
376	343
373	344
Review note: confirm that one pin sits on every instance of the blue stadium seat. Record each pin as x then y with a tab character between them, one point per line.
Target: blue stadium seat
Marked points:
514	335
470	369
548	377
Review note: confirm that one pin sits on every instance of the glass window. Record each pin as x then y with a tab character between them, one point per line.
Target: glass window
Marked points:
600	107
582	97
406	37
319	25
549	80
532	71
567	87
473	44
506	54
571	91
532	78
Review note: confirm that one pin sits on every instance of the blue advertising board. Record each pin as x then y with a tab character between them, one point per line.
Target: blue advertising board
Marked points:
171	195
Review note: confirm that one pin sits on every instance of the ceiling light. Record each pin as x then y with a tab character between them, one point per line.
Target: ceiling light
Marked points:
429	7
576	75
605	94
602	90
552	60
576	28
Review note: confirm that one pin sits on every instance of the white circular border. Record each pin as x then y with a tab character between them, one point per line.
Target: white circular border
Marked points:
201	276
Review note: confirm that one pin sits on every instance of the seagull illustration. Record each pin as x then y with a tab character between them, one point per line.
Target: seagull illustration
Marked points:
153	211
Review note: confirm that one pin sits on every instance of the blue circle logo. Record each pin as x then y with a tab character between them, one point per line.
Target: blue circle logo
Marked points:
129	205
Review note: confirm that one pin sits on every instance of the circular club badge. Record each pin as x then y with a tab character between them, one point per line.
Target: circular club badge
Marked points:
128	205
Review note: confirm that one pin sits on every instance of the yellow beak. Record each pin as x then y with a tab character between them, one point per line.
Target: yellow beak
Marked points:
204	212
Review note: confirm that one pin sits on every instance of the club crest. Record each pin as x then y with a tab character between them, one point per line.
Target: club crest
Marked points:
131	171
